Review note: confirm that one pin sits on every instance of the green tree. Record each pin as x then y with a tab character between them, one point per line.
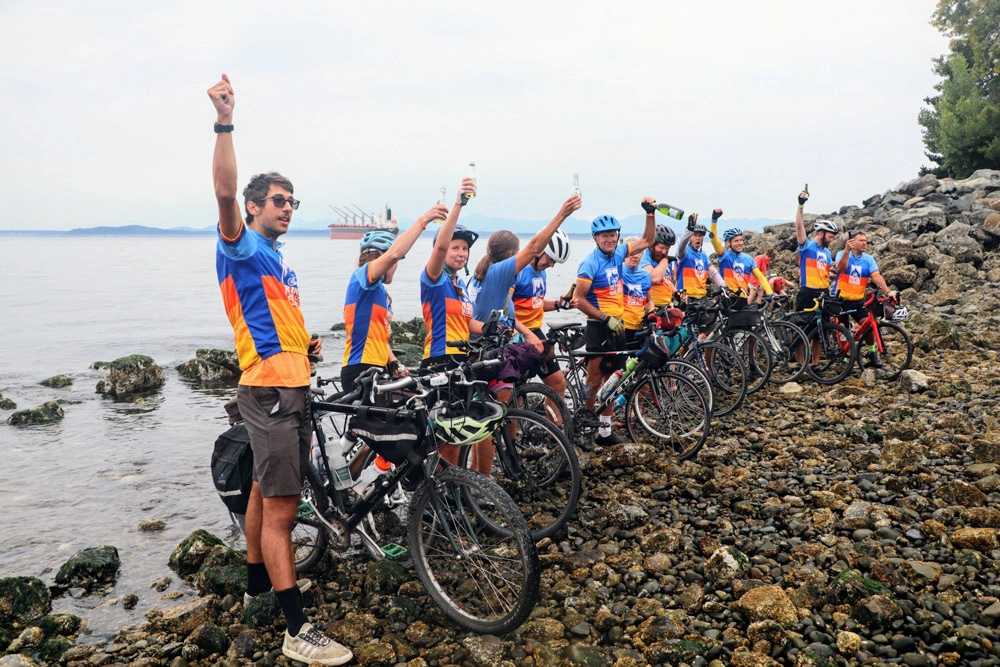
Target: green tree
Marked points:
962	126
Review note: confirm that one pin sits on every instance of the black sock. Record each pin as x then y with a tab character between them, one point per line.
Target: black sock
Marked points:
257	580
291	607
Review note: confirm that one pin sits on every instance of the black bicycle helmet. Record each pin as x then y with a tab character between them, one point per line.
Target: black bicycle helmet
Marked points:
664	235
461	232
699	229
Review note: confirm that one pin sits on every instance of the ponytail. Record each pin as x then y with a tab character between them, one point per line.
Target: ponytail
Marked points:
502	244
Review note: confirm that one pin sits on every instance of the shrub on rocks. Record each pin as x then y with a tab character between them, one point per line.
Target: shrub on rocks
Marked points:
22	600
126	376
89	568
45	413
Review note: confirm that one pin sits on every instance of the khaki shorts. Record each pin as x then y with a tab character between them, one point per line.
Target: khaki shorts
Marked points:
277	419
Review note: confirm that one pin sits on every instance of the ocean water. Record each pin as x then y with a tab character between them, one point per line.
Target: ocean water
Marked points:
91	478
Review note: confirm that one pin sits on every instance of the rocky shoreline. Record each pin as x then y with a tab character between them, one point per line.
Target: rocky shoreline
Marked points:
844	525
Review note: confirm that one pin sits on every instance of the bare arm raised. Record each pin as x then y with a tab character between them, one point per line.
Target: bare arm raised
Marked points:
537	244
435	265
381	265
224	161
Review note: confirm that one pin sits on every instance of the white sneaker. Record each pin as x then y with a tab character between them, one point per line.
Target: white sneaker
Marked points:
303	585
311	645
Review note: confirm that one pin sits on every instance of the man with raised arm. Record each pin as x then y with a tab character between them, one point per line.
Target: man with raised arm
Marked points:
736	266
694	269
814	263
261	296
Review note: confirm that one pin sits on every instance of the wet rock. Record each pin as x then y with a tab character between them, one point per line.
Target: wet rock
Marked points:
848	643
151	525
22	600
209	638
629	455
385	577
212	366
191	553
91	567
725	564
356	629
7	403
980	539
184	618
486	649
958	492
57	382
46	413
243	647
223	572
129	601
897	455
767	602
627	516
913	382
127	376
376	653
877	611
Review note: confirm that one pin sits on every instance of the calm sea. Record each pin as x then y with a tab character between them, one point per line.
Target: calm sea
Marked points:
90	479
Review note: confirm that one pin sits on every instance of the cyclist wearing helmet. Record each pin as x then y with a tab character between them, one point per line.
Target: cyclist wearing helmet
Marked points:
661	267
598	295
367	305
495	275
636	284
694	269
530	303
446	307
736	266
814	257
854	269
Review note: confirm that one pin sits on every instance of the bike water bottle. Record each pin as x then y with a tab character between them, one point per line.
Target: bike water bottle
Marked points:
620	402
368	476
631	364
609	386
670	211
338	463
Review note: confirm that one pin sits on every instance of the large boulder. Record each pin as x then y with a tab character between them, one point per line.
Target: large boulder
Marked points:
918	186
22	600
125	376
916	221
46	413
56	382
212	366
188	557
955	241
89	568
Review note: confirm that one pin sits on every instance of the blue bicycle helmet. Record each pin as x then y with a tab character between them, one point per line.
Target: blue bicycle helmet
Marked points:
731	234
379	240
461	232
605	223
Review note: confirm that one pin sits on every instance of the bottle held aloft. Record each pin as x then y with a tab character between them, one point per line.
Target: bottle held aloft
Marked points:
670	211
576	186
466	196
441	199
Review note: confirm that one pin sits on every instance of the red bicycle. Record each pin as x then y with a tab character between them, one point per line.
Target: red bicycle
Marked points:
893	347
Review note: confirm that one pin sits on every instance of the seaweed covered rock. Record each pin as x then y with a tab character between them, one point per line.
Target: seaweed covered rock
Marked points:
22	600
46	413
89	568
125	376
409	336
212	366
56	382
6	403
192	552
223	572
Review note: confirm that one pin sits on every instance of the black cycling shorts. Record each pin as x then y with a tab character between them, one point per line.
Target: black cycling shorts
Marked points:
545	368
600	341
859	310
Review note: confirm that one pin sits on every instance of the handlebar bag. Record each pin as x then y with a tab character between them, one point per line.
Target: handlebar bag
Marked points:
743	319
232	468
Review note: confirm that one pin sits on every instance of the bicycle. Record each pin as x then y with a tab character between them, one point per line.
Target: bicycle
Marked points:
892	342
781	337
470	545
837	351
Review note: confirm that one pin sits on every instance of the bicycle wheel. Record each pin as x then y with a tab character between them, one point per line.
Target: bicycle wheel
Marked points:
837	353
537	467
670	407
575	396
545	402
693	373
792	354
754	352
897	349
485	580
309	538
727	373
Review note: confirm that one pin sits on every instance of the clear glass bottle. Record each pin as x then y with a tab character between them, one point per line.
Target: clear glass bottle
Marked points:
576	185
466	196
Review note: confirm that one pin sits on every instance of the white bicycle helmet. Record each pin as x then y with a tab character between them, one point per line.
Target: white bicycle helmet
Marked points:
825	226
558	247
459	425
900	313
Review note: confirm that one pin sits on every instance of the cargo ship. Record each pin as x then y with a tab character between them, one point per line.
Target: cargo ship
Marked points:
355	223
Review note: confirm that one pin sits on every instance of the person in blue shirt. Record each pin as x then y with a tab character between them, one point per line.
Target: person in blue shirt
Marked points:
694	269
855	268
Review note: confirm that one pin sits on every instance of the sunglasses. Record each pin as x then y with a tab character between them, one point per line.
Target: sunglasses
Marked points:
279	201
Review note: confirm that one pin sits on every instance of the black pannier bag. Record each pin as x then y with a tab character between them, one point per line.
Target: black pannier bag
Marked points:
655	353
804	321
391	439
232	468
832	306
743	319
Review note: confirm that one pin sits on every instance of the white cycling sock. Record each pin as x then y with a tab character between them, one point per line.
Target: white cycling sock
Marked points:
604	430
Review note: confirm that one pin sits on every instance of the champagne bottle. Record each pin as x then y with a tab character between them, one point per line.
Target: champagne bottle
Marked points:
576	185
806	189
569	294
670	211
466	196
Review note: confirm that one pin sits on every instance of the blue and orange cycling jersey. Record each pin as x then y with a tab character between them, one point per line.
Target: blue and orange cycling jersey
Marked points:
446	314
692	273
604	275
737	269
367	314
635	284
853	281
529	297
814	265
261	296
662	292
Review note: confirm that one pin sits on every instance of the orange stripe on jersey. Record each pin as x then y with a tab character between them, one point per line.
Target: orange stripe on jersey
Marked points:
530	312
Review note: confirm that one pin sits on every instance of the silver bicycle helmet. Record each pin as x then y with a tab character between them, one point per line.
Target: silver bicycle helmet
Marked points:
461	425
825	226
900	313
558	247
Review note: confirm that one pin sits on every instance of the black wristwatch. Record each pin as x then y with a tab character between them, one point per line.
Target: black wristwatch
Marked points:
220	128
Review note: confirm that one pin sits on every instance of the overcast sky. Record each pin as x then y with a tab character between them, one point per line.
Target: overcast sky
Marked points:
701	104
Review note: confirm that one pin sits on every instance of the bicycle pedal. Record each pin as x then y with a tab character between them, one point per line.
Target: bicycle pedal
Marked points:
395	551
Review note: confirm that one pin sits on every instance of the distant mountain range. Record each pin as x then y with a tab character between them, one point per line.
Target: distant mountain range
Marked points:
573	226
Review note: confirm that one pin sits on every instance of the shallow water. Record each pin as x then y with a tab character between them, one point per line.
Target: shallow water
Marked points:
92	478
